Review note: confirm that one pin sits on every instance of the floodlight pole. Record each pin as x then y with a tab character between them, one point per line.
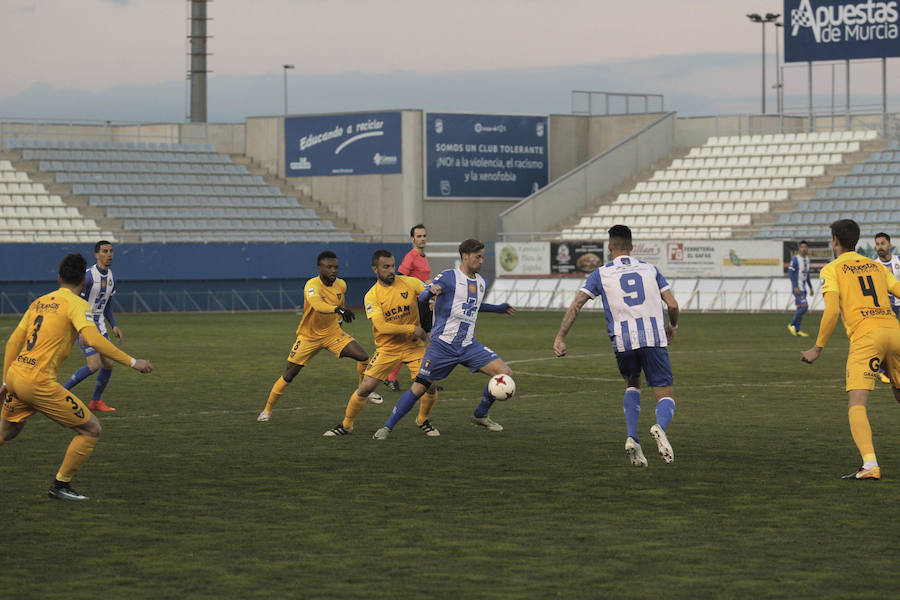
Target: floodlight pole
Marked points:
769	18
286	67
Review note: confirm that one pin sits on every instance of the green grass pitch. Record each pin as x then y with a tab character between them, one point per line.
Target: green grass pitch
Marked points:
192	498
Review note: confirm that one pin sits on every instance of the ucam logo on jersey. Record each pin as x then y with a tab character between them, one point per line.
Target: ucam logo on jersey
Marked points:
840	29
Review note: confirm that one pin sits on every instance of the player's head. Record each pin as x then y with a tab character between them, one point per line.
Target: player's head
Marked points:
845	233
418	235
103	251
383	266
803	248
471	255
71	270
883	245
327	263
620	239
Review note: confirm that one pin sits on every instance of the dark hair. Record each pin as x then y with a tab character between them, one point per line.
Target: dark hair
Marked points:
469	246
101	243
847	233
72	268
884	235
412	231
620	237
382	253
323	255
801	242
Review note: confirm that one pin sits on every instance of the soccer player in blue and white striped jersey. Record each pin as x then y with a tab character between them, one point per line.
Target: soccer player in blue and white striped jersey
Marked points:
801	286
99	287
460	297
892	263
636	299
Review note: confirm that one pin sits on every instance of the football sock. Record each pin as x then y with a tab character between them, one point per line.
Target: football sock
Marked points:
393	375
403	406
486	402
275	394
425	405
631	403
355	405
77	454
665	410
862	433
79	376
798	316
103	376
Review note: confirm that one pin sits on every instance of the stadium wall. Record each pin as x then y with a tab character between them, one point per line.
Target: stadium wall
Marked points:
193	276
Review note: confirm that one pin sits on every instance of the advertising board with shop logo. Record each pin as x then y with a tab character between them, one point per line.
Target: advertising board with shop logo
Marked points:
522	258
575	258
840	29
485	156
345	144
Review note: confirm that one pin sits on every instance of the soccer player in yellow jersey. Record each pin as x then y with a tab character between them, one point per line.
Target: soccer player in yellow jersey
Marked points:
320	327
34	351
392	306
856	288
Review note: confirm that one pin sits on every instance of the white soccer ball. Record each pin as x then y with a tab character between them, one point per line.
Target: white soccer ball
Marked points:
502	387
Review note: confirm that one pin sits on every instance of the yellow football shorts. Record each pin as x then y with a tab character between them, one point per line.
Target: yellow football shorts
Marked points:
382	364
877	349
304	348
50	398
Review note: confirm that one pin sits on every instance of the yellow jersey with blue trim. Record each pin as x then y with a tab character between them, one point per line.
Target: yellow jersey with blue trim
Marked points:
394	312
319	301
50	324
862	285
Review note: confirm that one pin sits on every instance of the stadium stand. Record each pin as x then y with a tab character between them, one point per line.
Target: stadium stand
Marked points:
168	192
29	213
725	186
869	194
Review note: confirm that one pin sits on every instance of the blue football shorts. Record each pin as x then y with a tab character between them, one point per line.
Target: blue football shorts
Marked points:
799	299
441	358
654	361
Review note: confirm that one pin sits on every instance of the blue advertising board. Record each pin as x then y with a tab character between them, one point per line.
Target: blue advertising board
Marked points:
840	29
485	156
346	144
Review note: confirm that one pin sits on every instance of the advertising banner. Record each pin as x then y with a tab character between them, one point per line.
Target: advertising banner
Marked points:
348	144
485	156
820	254
522	258
575	258
713	258
840	29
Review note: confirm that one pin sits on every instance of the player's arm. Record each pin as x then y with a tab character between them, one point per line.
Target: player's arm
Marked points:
673	311
559	344
382	326
314	297
95	339
435	288
793	273
504	308
110	317
13	345
893	284
826	326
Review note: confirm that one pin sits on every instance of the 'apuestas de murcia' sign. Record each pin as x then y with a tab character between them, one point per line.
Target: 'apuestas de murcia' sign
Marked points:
840	29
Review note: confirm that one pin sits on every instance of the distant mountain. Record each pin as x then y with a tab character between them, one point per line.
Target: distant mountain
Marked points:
703	84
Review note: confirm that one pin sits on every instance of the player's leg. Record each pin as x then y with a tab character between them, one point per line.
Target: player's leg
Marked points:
629	363
291	370
426	402
92	359
403	406
353	349
369	375
345	346
802	307
658	371
391	381
103	376
14	412
496	366
861	381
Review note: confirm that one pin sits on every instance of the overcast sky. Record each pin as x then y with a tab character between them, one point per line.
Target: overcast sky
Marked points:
61	47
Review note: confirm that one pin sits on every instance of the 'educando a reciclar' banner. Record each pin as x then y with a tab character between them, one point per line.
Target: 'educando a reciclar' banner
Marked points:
840	29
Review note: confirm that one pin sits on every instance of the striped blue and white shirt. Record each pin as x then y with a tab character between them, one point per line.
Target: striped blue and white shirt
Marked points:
631	291
893	265
799	274
456	308
99	286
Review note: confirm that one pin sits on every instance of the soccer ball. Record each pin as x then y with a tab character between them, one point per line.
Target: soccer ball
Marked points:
502	387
